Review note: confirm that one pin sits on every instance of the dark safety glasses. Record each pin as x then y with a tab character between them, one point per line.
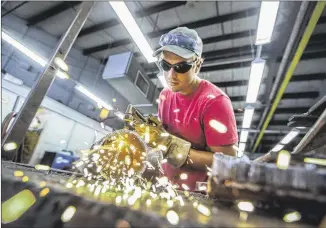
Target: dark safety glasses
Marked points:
180	68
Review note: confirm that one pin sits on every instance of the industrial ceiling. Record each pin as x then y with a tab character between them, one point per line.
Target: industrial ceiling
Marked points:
228	33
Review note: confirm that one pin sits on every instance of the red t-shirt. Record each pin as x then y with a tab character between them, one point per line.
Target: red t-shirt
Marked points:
204	118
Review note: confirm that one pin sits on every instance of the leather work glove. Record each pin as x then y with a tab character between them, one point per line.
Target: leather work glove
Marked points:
173	148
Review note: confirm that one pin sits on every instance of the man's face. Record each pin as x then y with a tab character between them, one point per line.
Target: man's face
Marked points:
176	81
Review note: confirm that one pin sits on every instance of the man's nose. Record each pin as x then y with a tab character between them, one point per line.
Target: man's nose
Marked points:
172	73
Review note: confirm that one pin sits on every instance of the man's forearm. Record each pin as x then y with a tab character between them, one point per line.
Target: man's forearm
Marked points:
200	159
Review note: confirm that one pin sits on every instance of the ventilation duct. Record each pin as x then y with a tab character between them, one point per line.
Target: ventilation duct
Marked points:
125	74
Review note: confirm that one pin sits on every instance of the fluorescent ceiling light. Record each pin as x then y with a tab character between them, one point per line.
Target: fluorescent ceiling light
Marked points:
242	146
23	49
133	29
290	136
31	54
163	81
86	92
277	148
256	74
244	136
267	18
247	117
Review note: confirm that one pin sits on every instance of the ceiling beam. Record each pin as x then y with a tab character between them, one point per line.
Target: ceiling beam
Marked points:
229	52
301	95
322	20
231	83
159	8
273	122
225	66
140	13
46	14
209	21
285	110
308	77
13	9
196	24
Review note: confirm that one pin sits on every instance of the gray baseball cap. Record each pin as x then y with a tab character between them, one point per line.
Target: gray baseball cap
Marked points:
181	41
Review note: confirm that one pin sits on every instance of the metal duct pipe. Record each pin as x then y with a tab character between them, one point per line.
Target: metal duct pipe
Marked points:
302	45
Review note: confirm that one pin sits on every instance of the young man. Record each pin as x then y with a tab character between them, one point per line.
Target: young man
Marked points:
192	108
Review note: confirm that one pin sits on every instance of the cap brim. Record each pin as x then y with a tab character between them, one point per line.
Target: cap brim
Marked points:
182	52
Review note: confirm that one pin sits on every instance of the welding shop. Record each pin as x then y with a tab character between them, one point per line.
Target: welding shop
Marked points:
163	114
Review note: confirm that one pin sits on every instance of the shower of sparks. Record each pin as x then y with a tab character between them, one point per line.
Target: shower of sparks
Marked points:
162	147
170	203
25	179
147	134
246	206
13	208
183	176
283	159
68	214
292	217
218	126
10	146
204	210
111	172
185	187
44	192
18	173
172	217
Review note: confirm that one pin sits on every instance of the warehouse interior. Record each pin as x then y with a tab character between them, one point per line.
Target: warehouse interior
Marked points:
53	118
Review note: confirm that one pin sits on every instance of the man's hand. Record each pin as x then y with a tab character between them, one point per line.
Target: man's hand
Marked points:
175	149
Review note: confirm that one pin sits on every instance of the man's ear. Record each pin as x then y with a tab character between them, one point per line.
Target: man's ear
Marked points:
198	65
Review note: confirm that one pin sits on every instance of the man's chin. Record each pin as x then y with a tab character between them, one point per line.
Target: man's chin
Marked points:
175	89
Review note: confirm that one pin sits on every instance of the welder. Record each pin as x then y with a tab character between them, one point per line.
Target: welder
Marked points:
195	118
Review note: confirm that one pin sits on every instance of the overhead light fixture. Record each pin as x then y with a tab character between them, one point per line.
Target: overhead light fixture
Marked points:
162	80
133	29
277	148
31	54
247	117
62	74
256	74
244	136
61	64
86	92
290	136
23	49
266	23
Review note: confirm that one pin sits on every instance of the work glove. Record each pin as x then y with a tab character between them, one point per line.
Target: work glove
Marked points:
174	149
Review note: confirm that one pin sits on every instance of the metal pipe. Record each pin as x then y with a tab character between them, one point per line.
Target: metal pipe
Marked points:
285	59
267	131
314	130
24	118
302	45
